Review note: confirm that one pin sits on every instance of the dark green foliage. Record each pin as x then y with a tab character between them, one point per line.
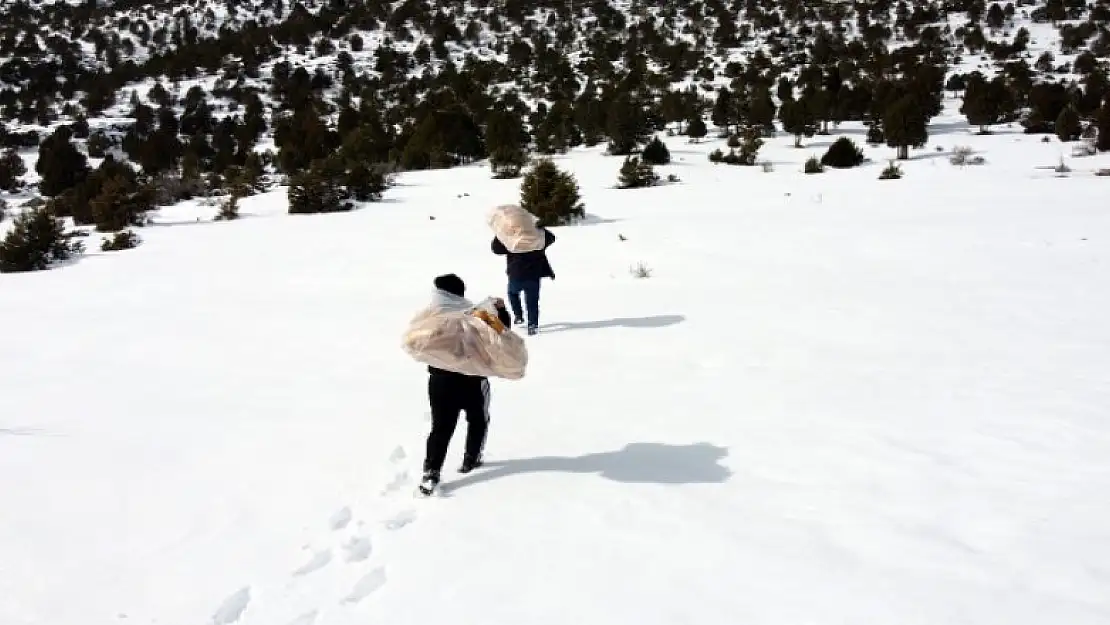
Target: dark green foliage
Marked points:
905	125
506	140
696	129
551	195
11	168
124	240
121	203
626	125
987	103
99	143
229	208
798	119
875	135
749	147
842	154
444	138
60	164
636	173
3	209
1102	121
1068	124
36	240
507	161
814	166
891	172
656	152
319	189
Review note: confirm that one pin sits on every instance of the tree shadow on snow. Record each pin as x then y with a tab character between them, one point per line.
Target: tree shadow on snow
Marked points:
657	321
636	463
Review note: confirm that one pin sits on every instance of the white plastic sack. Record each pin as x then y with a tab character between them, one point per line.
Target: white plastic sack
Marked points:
516	229
455	335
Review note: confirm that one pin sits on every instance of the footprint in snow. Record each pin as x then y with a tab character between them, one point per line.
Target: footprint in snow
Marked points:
366	586
340	519
233	607
319	560
397	483
401	519
308	618
398	454
358	549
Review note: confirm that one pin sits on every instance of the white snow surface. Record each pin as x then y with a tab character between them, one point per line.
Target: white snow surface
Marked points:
836	400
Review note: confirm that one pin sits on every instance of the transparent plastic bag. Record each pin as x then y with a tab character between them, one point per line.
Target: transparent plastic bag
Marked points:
516	229
455	335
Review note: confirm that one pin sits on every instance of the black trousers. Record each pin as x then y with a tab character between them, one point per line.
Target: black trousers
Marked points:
449	395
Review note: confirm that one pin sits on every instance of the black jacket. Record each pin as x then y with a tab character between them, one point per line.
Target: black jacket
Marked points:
526	265
503	315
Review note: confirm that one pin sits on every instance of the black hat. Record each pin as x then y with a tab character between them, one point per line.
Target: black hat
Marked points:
451	283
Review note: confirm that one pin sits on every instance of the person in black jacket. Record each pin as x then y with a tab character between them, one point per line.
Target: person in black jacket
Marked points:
525	270
450	393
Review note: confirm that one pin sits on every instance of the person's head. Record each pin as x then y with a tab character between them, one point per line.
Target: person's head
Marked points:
452	284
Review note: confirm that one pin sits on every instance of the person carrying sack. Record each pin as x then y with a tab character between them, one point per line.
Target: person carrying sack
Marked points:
450	393
525	270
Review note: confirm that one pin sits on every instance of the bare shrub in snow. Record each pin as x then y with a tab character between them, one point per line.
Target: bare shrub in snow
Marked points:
814	166
962	156
640	270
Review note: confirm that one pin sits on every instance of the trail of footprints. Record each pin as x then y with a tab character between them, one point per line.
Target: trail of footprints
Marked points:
355	551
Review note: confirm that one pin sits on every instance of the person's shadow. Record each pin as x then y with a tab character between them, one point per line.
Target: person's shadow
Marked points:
636	463
657	321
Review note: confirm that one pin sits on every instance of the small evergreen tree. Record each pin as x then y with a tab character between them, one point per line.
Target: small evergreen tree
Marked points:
798	119
60	164
813	166
123	240
656	152
229	208
1102	121
319	189
636	173
507	161
551	195
1068	124
121	203
749	147
36	240
842	154
11	168
696	128
905	126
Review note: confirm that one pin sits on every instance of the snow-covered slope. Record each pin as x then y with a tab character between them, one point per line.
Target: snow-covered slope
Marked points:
834	400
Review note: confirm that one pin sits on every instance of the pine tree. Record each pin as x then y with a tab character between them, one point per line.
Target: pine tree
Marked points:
905	126
35	241
11	168
843	153
60	164
507	161
696	128
1068	124
656	152
625	126
551	195
797	119
635	173
319	189
749	148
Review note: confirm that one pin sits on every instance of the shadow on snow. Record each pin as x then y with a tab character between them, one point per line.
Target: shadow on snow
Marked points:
636	463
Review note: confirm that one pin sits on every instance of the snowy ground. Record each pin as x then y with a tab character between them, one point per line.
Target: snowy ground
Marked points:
836	400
